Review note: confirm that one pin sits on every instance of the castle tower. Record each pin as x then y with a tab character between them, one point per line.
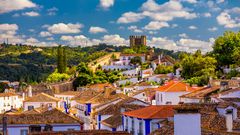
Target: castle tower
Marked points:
136	41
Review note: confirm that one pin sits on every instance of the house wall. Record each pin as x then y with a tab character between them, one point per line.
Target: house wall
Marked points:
16	129
222	111
117	67
7	102
131	80
189	100
231	95
187	124
39	104
148	125
173	97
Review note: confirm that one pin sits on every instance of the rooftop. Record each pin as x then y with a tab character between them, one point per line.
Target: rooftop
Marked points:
176	86
201	93
42	97
152	112
83	132
69	93
8	94
53	116
113	121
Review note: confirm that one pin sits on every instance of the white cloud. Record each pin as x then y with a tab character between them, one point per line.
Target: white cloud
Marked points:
31	14
213	29
155	25
50	38
220	1
192	27
191	45
8	27
62	28
12	5
207	14
31	30
183	35
190	1
114	40
52	11
105	4
166	11
135	29
95	30
174	25
162	42
31	41
227	21
45	34
130	17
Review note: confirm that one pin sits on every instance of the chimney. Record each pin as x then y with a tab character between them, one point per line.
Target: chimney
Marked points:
29	91
107	92
187	116
229	120
159	59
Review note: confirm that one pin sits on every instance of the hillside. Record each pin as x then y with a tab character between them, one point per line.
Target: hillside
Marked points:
34	64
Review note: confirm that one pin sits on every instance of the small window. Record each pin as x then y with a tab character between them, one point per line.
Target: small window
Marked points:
30	107
24	131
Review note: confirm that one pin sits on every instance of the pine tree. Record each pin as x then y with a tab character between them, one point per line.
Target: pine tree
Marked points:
61	60
64	60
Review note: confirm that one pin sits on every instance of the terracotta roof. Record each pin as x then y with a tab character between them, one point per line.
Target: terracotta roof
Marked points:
8	94
100	86
113	121
42	97
82	132
69	93
85	95
116	108
53	116
225	92
176	86
124	54
201	93
152	112
166	129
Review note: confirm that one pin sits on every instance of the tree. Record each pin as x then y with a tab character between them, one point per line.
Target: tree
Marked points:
136	60
197	68
162	69
224	48
61	60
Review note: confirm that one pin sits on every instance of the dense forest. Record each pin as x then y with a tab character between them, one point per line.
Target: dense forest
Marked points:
34	64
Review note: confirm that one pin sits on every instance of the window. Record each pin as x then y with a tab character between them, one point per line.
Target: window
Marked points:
126	128
50	105
161	98
24	131
30	107
70	129
132	126
140	132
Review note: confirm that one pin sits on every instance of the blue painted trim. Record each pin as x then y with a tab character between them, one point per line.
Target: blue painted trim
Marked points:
123	121
99	121
158	125
88	108
147	126
114	129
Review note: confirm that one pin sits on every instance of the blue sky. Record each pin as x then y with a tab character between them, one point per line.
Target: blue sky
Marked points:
176	24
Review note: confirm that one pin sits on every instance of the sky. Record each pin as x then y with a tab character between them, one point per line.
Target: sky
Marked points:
179	25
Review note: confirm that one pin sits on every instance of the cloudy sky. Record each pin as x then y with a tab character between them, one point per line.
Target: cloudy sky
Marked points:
175	25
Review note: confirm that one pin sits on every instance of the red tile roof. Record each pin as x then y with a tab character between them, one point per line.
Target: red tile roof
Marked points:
152	112
176	86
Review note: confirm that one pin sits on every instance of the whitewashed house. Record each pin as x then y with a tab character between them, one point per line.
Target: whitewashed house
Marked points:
126	58
145	120
67	96
170	92
110	118
9	101
40	100
32	121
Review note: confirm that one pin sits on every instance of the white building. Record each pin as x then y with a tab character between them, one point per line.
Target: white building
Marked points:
49	120
9	101
170	93
146	120
67	96
40	100
126	58
187	117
